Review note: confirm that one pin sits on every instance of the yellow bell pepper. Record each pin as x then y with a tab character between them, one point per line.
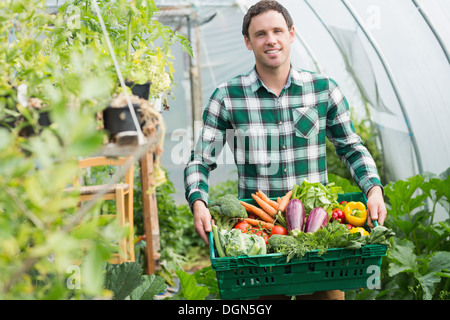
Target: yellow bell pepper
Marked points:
361	230
355	213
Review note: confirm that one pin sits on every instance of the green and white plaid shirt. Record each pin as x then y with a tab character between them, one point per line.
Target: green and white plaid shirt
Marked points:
277	141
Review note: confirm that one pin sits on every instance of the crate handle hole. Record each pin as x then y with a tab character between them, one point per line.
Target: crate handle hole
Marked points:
270	279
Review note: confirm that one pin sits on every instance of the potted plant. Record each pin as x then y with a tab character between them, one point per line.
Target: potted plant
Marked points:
133	32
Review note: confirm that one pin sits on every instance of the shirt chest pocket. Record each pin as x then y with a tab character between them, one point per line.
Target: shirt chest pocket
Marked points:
306	122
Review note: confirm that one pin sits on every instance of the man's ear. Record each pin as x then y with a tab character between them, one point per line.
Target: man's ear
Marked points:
248	44
292	34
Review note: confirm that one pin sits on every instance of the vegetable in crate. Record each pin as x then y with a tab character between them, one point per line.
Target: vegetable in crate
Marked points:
282	244
225	210
361	230
380	235
219	240
235	243
278	230
355	213
338	215
315	195
317	219
295	216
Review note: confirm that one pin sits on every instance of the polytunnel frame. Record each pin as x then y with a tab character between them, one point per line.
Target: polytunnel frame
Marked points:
393	82
432	28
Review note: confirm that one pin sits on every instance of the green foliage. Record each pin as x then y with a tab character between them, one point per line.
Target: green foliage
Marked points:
49	247
229	186
418	264
126	281
141	44
200	285
181	247
346	185
368	135
22	26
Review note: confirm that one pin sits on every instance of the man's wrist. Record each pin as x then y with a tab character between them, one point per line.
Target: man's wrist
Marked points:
375	189
198	204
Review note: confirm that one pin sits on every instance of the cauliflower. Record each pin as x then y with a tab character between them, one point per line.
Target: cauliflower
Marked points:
235	243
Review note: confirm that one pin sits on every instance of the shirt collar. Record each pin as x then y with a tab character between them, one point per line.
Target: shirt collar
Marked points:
256	82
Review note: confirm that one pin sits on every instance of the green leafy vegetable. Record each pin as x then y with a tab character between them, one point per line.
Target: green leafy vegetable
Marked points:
380	235
333	235
314	195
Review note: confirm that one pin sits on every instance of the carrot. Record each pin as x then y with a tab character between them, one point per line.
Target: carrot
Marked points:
278	200
284	201
258	211
265	206
265	198
257	223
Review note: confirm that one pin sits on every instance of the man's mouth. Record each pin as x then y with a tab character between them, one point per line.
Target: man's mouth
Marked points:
273	51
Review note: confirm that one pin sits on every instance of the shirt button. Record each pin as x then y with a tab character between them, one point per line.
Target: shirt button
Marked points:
285	170
281	122
284	147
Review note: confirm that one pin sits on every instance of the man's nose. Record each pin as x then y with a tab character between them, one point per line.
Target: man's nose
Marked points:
271	38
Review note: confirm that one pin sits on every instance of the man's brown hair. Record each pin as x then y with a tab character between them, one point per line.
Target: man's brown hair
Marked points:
261	7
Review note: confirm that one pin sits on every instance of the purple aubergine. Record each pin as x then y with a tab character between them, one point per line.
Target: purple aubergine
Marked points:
295	215
317	219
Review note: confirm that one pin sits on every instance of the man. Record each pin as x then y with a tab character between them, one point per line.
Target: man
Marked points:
279	117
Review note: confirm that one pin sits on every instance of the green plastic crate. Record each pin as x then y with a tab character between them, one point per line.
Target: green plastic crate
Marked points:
250	277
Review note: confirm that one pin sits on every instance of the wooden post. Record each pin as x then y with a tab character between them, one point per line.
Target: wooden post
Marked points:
150	213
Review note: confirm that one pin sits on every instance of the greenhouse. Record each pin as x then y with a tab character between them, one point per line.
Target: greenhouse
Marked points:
104	104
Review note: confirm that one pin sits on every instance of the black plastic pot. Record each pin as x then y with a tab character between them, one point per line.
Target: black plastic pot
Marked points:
140	90
43	121
117	120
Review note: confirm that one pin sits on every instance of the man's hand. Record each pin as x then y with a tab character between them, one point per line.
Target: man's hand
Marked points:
375	206
202	219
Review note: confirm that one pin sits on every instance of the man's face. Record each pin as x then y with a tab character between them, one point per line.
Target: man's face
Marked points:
270	40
